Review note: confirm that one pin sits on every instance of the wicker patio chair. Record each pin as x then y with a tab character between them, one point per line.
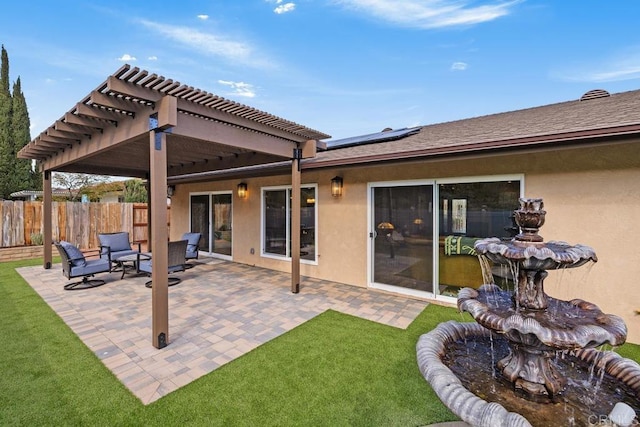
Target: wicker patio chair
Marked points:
114	245
193	247
177	251
75	264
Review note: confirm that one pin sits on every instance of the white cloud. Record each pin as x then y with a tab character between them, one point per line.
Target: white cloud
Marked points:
284	8
459	66
152	58
432	13
203	17
624	65
209	44
127	57
239	88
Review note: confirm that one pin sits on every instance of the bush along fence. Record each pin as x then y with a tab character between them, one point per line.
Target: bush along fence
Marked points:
76	222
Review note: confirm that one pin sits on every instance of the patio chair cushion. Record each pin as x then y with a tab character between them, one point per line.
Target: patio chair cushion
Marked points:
75	256
116	241
193	241
115	245
146	267
93	266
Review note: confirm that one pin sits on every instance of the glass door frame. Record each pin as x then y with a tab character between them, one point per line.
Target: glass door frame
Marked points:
435	183
287	255
208	251
371	186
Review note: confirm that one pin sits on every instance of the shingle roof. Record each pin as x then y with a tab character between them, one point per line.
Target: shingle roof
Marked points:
572	121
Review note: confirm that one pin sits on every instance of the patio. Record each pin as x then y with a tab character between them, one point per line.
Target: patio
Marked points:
219	312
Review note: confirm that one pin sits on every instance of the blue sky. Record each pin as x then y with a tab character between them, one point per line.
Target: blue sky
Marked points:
344	67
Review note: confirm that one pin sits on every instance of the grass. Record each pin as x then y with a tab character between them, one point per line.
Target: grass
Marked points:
334	370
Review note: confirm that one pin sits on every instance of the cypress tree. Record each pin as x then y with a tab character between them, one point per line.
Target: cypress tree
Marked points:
7	151
24	177
15	174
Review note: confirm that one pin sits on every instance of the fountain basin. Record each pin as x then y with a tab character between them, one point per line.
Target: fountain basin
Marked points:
494	402
564	325
536	336
551	255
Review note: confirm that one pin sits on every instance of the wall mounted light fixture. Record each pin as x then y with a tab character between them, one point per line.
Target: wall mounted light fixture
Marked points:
171	190
242	190
336	186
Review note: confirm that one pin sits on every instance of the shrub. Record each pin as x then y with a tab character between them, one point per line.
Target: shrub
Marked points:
36	239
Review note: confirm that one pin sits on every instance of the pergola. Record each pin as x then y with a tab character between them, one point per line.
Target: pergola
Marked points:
138	124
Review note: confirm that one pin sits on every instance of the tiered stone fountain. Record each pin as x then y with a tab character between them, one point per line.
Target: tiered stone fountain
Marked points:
546	346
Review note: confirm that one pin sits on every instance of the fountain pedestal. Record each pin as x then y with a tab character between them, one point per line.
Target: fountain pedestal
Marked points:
531	371
530	293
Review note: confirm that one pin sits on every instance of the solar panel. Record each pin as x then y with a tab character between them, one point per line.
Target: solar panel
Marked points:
371	138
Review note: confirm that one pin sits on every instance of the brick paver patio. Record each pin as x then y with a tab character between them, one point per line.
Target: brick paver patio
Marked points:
220	311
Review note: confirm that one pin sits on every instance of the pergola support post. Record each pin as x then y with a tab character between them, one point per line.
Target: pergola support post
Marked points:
47	227
295	220
159	237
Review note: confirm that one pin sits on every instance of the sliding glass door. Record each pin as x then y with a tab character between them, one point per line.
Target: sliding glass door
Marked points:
402	247
211	215
276	223
423	233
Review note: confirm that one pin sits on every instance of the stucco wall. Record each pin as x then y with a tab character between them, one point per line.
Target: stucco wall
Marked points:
591	196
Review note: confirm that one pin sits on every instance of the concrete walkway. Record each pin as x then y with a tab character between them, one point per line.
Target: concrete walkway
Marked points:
220	311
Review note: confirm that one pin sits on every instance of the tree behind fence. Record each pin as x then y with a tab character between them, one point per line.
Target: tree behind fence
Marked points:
75	222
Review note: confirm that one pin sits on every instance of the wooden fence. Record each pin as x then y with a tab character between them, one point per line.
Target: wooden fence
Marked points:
75	222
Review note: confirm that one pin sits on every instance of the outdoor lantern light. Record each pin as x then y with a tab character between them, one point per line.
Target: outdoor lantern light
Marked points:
336	186
242	190
171	189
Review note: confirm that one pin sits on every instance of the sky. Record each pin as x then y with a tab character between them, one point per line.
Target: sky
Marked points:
343	67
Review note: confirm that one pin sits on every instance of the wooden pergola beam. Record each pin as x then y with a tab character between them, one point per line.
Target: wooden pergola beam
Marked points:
71	128
204	164
99	113
116	103
98	142
226	117
233	136
61	134
54	141
133	90
74	119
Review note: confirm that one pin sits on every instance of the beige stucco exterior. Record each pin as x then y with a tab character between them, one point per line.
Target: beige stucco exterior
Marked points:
591	195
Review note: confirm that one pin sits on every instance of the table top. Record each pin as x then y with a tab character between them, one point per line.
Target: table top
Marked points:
134	257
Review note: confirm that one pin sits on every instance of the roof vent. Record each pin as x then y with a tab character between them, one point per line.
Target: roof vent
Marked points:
594	94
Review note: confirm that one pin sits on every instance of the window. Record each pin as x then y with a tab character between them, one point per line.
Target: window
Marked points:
276	225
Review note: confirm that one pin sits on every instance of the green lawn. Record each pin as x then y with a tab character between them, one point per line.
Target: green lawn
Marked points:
333	370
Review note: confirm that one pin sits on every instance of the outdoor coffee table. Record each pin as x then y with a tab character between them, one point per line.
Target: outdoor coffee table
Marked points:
130	262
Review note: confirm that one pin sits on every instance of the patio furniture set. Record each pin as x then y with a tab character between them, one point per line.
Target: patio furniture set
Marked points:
117	253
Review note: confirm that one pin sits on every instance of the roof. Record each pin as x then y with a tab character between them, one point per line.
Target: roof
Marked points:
579	121
598	116
37	193
107	132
